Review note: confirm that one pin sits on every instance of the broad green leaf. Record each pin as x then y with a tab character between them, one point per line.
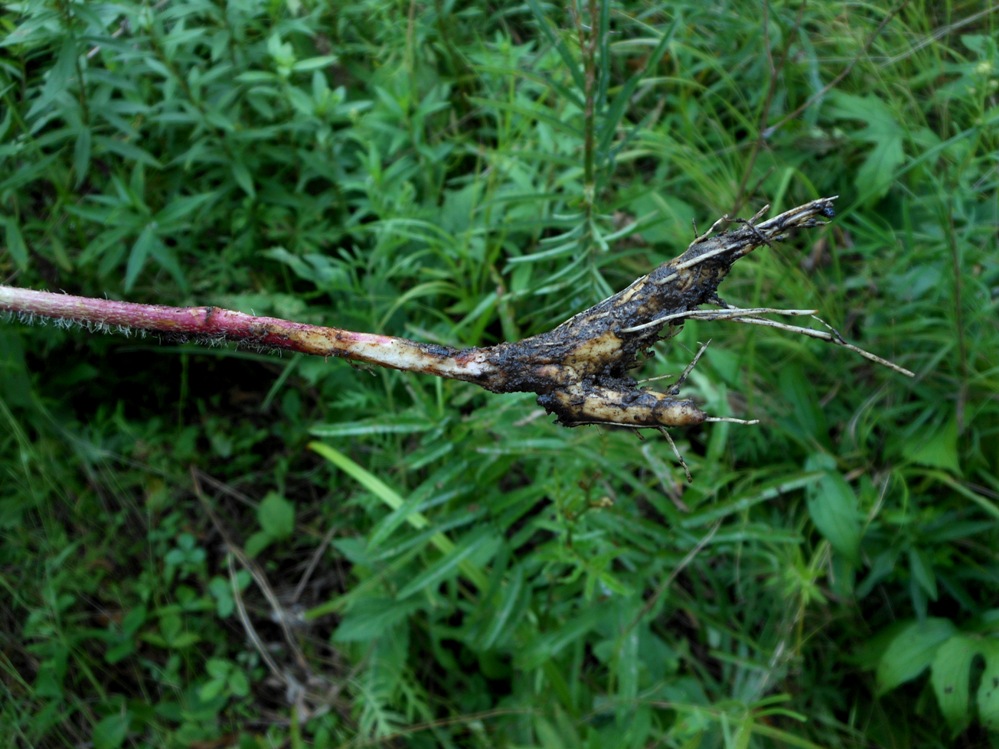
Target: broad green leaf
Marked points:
950	678
883	130
276	516
911	652
877	173
301	101
110	732
239	684
936	448
833	507
988	689
257	542
217	668
212	689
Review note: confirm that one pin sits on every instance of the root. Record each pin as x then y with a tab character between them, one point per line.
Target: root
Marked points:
580	370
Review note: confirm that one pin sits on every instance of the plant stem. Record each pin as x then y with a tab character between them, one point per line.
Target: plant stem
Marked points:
579	370
215	325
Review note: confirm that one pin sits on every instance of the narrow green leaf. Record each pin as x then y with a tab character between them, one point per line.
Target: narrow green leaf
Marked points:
301	268
402	423
510	602
442	483
242	176
547	646
167	259
392	499
314	63
58	80
532	113
370	617
911	652
141	249
181	210
603	40
81	155
714	512
128	151
27	173
257	76
369	481
807	418
560	46
922	571
615	111
7	118
483	541
15	242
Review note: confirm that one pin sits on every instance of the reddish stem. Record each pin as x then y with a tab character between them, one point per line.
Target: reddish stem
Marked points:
214	323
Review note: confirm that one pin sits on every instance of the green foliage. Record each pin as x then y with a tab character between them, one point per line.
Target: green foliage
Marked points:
204	546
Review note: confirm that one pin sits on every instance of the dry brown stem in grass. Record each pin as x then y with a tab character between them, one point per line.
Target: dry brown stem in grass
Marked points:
580	370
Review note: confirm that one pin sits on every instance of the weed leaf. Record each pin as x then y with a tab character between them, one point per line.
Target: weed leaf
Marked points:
883	131
276	516
912	651
936	448
988	689
950	677
833	507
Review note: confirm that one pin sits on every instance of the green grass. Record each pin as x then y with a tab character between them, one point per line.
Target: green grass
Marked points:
213	546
